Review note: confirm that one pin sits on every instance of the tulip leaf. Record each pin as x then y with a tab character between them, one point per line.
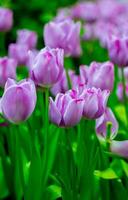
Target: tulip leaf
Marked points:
53	139
53	192
106	174
113	172
34	182
125	167
4	192
120	112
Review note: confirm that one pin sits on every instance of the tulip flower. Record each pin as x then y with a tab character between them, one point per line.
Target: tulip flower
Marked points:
119	148
87	11
64	34
118	48
27	37
6	19
94	102
120	91
19	52
101	75
7	69
101	124
47	67
18	100
66	110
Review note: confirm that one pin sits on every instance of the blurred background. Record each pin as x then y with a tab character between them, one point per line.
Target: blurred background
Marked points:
32	15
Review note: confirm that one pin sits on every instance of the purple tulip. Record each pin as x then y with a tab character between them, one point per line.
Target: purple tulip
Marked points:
119	148
110	9
94	103
66	110
27	37
87	11
7	69
64	34
63	14
6	19
118	48
103	30
47	67
101	75
19	52
18	100
120	91
101	124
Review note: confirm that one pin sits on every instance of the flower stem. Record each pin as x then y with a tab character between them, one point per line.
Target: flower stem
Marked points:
46	131
124	94
2	44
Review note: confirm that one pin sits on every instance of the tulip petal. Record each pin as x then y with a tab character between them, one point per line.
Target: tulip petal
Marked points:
73	112
54	113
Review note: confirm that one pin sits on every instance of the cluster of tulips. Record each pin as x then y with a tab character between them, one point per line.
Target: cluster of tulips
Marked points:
74	96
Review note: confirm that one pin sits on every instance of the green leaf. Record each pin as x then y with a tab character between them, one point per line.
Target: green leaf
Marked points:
106	174
125	167
4	192
113	172
53	192
34	183
120	112
52	145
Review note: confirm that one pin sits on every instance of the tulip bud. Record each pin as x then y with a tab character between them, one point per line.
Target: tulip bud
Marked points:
101	124
120	91
27	37
19	52
119	148
118	48
6	19
94	103
7	69
65	35
101	75
66	110
47	67
18	100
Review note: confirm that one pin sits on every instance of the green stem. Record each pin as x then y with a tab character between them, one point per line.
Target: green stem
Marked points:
2	44
124	94
46	131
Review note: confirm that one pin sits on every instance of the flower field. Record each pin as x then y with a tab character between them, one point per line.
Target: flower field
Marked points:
64	100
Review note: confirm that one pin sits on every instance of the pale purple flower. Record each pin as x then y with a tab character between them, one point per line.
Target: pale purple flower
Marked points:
95	102
18	100
27	37
119	148
47	67
65	35
62	14
120	91
110	9
118	48
101	124
66	110
19	52
101	75
6	19
87	11
7	69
